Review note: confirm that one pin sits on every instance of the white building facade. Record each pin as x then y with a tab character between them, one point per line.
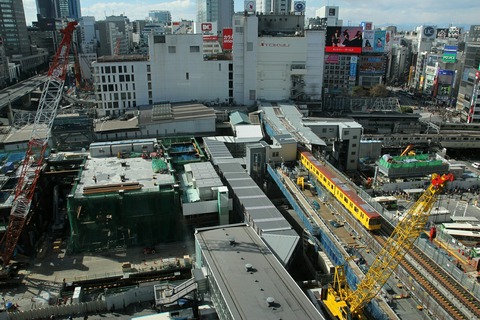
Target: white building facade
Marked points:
121	84
180	72
272	66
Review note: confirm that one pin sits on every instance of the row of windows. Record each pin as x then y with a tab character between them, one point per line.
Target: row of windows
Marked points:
193	49
114	87
121	78
121	69
116	104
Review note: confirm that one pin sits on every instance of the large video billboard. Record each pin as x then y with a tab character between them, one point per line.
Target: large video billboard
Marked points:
371	65
444	84
375	41
344	40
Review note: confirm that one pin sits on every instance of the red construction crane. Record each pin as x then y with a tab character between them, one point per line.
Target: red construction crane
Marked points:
32	164
82	83
117	46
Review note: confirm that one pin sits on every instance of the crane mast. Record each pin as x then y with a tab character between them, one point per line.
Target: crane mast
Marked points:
344	302
34	156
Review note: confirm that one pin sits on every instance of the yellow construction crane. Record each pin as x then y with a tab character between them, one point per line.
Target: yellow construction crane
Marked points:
346	304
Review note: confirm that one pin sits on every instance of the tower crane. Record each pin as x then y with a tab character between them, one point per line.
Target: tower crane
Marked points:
34	156
344	303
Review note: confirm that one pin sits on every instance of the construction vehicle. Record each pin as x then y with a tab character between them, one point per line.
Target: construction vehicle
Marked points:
37	145
408	151
346	304
81	82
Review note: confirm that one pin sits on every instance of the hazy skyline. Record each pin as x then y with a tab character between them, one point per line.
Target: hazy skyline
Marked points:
408	12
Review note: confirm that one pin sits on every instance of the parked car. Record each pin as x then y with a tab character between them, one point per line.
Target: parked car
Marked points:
149	250
476	165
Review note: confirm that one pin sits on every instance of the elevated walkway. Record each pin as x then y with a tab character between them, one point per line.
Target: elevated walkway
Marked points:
165	295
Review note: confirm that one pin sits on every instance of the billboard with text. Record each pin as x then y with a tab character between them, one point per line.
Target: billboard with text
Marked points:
344	40
227	39
371	65
375	41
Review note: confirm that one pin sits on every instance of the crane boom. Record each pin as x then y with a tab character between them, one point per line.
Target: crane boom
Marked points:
34	156
401	240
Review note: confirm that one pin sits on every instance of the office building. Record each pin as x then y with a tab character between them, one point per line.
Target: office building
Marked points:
275	58
219	11
13	28
160	16
46	9
468	100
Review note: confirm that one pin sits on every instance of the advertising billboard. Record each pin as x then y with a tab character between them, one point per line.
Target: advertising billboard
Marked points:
428	32
371	65
375	41
366	25
353	68
331	58
450	54
227	39
442	33
344	40
444	84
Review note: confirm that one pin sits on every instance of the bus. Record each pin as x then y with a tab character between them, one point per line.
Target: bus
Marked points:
388	202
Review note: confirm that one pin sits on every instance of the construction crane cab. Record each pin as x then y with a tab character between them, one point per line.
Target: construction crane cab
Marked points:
345	303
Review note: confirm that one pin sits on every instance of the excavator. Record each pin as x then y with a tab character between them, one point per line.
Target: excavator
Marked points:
346	304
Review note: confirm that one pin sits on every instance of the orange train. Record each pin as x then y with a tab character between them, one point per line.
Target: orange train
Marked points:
342	191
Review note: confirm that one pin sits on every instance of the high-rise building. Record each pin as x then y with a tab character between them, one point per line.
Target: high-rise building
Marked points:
13	28
161	16
59	9
274	6
87	31
74	10
468	100
46	9
219	11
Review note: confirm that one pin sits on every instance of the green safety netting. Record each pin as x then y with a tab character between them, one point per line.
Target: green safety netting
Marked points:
158	165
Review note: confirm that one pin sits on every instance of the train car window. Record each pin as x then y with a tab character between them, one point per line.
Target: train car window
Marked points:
356	209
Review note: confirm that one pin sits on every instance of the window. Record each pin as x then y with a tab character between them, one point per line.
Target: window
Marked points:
249	46
107	69
148	68
187	76
275	154
172	49
194	49
252	94
149	77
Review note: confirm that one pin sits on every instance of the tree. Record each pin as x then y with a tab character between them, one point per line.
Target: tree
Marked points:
359	91
379	90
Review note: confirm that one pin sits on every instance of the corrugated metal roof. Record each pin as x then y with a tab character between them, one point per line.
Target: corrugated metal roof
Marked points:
238	117
286	119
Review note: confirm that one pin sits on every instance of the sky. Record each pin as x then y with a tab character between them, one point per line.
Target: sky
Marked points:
406	12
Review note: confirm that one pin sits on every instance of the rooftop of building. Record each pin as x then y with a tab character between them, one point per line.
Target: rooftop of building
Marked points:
253	283
112	174
122	58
